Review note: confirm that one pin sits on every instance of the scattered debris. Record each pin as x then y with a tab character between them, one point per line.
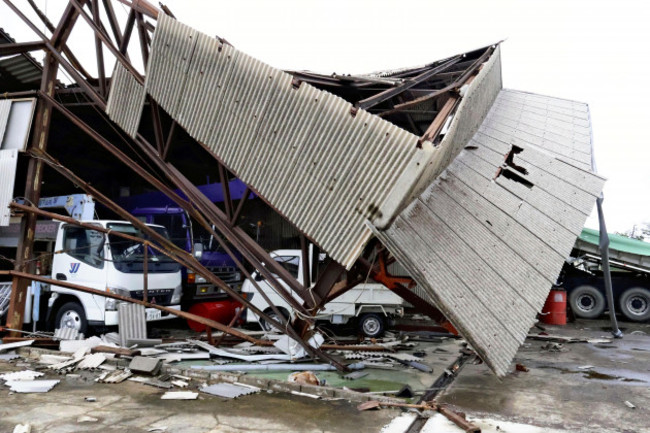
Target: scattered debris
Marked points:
585	367
630	404
27	386
15	345
67	334
71	346
355	375
86	418
151	382
21	375
9	356
91	361
304	378
90	399
228	390
131	323
522	367
23	428
180	383
180	395
116	376
405	392
554	347
144	365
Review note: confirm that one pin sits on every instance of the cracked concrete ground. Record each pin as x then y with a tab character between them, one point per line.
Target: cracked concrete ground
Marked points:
134	407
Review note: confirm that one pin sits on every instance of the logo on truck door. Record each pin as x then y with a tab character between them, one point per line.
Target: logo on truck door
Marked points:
74	267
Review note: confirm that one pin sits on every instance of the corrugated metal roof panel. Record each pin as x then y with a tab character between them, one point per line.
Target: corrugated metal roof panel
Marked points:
8	163
487	247
324	169
5	109
125	100
131	322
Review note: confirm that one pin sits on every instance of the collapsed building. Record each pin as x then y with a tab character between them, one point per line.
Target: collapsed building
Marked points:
477	191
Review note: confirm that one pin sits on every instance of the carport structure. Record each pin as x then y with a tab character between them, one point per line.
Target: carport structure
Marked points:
479	192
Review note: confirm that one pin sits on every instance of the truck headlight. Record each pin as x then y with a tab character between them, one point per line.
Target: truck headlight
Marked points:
111	304
200	279
176	296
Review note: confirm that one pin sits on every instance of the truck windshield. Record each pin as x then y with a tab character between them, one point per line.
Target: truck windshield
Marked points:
128	255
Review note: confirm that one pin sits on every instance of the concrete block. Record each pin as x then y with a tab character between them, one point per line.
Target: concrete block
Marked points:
322	391
259	382
281	386
144	365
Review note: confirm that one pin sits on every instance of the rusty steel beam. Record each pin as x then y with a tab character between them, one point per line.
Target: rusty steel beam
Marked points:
457	84
99	50
225	189
33	183
240	206
128	29
185	315
112	21
143	7
101	35
144	38
21	47
412	82
168	142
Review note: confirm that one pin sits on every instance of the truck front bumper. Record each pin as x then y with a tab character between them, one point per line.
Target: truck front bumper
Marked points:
151	315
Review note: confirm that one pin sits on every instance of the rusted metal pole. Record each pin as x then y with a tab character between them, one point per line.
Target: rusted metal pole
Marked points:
145	269
99	50
179	313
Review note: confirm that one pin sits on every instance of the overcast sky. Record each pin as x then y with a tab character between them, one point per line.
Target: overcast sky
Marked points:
590	51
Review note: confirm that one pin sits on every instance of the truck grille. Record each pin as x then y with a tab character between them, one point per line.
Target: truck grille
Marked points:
155	296
228	274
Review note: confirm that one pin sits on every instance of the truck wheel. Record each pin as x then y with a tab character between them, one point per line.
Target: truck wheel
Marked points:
267	326
635	304
587	302
371	325
72	315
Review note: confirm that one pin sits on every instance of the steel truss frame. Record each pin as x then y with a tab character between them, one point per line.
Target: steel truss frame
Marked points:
396	98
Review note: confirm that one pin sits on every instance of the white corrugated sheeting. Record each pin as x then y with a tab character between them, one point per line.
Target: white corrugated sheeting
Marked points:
466	120
301	149
5	109
125	100
488	248
8	163
131	322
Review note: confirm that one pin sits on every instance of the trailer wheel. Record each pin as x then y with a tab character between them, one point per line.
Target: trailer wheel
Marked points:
587	302
269	312
72	315
635	304
371	325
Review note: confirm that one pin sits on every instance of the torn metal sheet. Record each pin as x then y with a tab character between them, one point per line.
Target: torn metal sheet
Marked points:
8	165
67	334
15	345
228	390
180	395
116	376
131	322
28	386
488	238
91	361
274	367
21	375
71	346
9	356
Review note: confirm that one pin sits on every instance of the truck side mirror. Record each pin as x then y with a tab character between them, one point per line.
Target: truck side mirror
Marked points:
258	276
198	250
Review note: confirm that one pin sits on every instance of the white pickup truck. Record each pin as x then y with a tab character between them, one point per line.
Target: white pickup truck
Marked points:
371	305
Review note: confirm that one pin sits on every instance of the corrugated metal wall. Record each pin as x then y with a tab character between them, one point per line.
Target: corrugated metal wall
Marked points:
487	248
125	100
5	108
8	163
324	169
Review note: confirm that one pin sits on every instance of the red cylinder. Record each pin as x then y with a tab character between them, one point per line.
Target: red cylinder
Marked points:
219	311
554	311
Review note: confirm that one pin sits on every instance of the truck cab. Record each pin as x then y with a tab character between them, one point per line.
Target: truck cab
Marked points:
197	241
109	263
371	305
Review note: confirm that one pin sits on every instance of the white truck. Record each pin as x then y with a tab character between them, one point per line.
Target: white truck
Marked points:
371	305
100	261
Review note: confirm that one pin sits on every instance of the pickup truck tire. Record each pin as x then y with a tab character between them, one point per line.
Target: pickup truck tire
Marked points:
269	312
587	302
635	304
371	325
72	315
